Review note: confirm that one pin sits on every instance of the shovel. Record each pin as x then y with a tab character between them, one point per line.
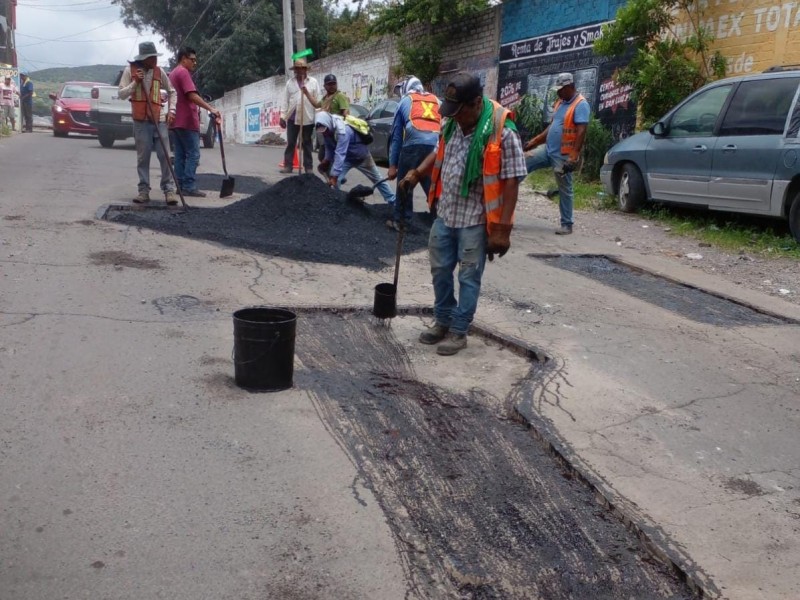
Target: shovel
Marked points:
229	182
360	192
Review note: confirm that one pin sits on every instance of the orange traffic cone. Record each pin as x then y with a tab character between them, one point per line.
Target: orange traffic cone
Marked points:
296	161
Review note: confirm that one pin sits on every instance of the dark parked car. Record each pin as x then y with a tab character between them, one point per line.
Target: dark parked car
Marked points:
380	120
733	146
70	108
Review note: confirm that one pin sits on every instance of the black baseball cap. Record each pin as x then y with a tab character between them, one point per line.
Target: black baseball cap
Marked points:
462	87
329	78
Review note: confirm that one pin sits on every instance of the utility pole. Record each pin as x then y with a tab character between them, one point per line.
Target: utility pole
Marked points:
300	25
287	36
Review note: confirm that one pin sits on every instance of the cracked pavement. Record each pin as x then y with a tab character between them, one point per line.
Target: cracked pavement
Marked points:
687	428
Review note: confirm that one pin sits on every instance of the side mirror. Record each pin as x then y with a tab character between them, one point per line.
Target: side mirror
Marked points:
51	95
659	129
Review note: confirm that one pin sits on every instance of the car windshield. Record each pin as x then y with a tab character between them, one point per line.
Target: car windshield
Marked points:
77	91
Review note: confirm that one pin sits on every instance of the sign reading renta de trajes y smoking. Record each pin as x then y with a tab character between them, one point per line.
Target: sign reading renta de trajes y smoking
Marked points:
554	43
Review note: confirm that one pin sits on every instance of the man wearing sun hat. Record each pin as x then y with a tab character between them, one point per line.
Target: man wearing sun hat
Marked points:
475	175
297	114
142	82
563	139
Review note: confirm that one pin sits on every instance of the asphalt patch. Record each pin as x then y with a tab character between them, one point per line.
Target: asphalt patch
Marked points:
298	218
478	508
684	300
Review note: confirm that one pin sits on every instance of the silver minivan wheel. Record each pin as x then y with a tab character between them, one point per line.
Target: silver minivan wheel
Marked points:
630	188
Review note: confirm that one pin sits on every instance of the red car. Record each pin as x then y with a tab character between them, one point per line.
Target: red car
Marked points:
71	108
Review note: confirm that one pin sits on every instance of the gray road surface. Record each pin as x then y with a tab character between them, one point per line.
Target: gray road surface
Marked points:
132	467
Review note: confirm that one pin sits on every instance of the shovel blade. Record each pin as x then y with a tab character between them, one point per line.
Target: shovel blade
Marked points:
360	191
227	187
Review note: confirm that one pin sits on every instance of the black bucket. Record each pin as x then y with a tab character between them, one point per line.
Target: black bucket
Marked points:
263	348
385	304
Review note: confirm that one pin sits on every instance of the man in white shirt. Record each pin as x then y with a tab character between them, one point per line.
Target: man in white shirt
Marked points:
8	92
297	115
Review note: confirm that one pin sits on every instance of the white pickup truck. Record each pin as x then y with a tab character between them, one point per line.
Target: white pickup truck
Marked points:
112	117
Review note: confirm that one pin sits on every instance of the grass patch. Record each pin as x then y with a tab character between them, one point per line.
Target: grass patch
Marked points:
588	196
737	233
730	232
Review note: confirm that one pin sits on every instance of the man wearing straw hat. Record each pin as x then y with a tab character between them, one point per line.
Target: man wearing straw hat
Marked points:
142	82
297	114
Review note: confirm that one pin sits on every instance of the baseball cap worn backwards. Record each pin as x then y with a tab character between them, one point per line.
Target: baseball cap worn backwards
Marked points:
462	87
563	80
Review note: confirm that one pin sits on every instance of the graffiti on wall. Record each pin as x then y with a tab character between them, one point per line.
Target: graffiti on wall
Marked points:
528	69
368	89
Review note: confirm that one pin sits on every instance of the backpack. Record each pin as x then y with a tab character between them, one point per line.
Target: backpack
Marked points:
361	127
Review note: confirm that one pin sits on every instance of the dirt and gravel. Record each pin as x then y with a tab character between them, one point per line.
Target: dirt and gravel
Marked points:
778	277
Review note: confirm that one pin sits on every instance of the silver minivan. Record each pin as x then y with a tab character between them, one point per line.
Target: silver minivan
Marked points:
731	146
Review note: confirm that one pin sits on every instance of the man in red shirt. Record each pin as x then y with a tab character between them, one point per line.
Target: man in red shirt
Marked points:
186	126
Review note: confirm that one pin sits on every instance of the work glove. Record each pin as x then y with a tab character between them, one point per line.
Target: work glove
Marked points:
498	242
282	123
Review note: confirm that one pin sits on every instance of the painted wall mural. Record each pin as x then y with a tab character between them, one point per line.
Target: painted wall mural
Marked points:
528	69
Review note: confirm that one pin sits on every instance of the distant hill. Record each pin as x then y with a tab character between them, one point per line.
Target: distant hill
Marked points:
98	73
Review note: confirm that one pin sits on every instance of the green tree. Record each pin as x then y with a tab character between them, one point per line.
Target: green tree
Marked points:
422	54
672	52
237	41
346	29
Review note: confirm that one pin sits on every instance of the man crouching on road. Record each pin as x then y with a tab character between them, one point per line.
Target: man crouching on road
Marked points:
142	82
475	175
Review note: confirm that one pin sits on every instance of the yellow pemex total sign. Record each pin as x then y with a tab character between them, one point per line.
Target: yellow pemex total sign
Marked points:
752	35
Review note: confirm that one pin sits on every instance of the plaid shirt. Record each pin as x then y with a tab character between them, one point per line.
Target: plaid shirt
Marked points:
454	209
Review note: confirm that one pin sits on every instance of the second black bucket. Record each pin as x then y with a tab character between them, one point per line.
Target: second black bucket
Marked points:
385	303
263	348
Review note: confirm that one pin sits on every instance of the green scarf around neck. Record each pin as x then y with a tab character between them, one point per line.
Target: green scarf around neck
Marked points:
480	137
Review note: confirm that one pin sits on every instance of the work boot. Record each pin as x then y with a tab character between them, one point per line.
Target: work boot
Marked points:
194	193
286	170
309	171
433	335
170	199
564	230
142	198
452	345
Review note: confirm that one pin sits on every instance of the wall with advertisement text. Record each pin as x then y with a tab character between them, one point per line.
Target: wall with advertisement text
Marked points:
528	67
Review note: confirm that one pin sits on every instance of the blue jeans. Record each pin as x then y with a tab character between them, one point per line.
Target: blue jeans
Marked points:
144	133
410	158
539	159
447	248
187	157
368	168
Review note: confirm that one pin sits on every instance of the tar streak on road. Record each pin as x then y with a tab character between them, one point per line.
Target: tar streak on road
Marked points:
299	218
477	507
680	299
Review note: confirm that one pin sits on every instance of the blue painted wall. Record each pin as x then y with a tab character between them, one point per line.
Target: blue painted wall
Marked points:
529	18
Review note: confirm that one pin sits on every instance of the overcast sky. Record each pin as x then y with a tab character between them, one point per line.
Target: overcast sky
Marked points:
71	33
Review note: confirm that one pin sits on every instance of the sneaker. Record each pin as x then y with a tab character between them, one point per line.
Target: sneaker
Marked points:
170	199
142	198
564	230
392	224
453	344
194	193
433	335
286	170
